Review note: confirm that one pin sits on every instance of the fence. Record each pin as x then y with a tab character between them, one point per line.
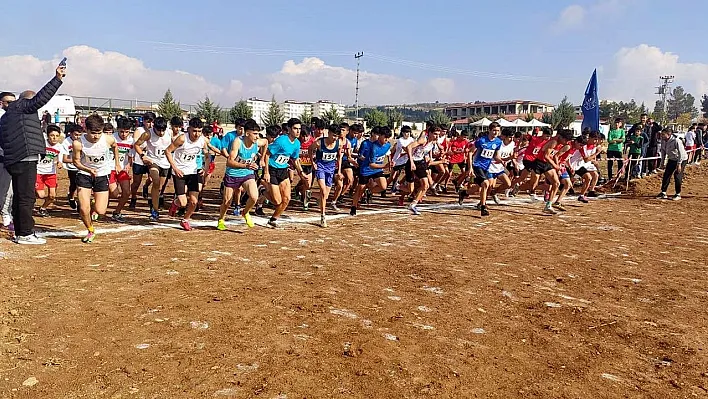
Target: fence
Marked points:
115	105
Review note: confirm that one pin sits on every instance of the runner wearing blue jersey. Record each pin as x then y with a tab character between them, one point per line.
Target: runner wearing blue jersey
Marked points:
486	151
342	182
280	152
372	158
327	164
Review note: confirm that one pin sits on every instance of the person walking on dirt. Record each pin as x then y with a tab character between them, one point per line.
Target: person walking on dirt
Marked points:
675	155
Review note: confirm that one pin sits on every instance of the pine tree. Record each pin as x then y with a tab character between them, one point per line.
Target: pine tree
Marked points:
274	116
240	110
208	110
306	117
167	107
332	116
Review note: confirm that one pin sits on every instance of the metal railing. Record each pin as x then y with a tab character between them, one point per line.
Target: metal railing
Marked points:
115	105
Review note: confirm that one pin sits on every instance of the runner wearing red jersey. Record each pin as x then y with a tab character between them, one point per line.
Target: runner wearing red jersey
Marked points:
548	166
305	184
536	143
565	171
457	155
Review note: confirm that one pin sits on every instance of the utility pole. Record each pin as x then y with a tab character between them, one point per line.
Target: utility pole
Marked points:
356	96
663	91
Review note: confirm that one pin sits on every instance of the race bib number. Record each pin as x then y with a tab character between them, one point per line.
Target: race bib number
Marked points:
121	158
304	153
378	160
536	150
329	156
100	159
487	153
47	160
159	152
188	157
282	159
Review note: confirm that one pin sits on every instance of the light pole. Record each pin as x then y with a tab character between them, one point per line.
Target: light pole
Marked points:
357	56
663	92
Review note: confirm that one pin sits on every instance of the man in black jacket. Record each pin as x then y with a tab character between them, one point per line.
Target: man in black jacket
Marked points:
23	145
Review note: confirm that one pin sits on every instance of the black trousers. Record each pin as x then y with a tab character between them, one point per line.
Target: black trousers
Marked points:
613	154
671	169
24	177
651	164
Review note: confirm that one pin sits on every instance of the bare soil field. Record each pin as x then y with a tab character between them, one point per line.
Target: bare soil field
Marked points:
607	300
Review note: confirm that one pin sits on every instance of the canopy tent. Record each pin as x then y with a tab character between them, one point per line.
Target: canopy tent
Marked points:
482	122
504	123
536	123
520	123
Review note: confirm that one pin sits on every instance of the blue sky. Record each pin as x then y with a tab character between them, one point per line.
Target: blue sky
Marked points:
548	48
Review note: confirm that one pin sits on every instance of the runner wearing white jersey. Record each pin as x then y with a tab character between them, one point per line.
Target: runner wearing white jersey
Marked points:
47	170
92	159
139	168
153	156
119	182
185	169
584	164
400	158
497	170
72	132
419	158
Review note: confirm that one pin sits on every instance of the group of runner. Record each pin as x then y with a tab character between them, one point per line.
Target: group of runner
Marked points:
106	163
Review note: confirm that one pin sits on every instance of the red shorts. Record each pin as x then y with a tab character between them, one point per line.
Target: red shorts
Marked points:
690	147
212	166
118	177
43	181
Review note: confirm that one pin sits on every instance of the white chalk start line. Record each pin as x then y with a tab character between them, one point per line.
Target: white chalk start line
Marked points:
262	221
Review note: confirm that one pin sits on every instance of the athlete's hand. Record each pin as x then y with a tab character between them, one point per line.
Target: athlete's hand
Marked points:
252	166
146	160
59	165
94	173
178	172
412	166
266	177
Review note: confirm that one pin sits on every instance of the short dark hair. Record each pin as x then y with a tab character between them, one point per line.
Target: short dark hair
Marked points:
273	131
149	116
566	134
251	125
581	140
336	129
72	127
206	129
124	123
356	128
293	121
494	125
375	130
108	126
6	93
406	129
94	122
160	124
667	130
385	131
176	121
52	128
240	122
317	123
546	130
196	123
344	125
507	132
594	134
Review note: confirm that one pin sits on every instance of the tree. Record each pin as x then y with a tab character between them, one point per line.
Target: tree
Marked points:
679	103
439	118
332	116
395	119
306	117
274	115
529	118
684	119
375	118
240	110
167	107
208	110
563	115
547	117
659	114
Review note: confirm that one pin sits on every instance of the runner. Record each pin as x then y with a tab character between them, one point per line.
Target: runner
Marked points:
419	153
400	159
119	182
566	171
139	168
498	170
303	187
90	155
47	170
440	172
547	165
186	170
529	162
458	154
153	157
327	164
280	152
272	133
372	157
73	132
583	162
349	160
486	150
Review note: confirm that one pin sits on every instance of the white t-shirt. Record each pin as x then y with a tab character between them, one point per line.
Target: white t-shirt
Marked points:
48	164
400	156
68	144
155	149
95	156
505	151
125	148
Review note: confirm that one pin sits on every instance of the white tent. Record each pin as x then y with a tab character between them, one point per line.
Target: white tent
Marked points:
482	122
504	123
521	123
536	123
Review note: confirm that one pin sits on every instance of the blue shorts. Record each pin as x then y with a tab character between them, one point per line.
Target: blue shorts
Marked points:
326	175
565	175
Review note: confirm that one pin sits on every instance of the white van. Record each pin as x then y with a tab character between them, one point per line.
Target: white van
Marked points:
63	103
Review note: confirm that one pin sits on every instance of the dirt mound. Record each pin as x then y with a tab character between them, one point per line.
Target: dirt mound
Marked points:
650	186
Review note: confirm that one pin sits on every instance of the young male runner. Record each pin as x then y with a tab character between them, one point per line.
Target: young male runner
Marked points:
185	169
349	148
91	158
566	172
280	152
73	132
584	164
497	170
305	184
241	166
372	163
153	157
417	167
486	151
47	170
327	164
532	150
139	167
119	182
400	157
458	153
547	165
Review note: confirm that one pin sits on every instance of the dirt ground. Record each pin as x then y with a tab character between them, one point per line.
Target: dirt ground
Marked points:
604	301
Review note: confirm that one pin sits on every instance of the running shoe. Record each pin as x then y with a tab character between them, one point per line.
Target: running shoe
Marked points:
414	209
94	216
583	199
259	211
133	203
237	210
515	190
323	221
496	199
248	220
676	197
173	209
549	210
484	210
661	196
220	225
31	239
559	206
273	224
352	211
89	237
72	204
383	194
118	217
462	196
479	206
154	216
185	225
534	197
334	206
43	212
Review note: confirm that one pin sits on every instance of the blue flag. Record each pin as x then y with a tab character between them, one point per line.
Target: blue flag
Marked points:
591	105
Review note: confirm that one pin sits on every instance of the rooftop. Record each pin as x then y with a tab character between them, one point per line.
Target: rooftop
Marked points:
494	103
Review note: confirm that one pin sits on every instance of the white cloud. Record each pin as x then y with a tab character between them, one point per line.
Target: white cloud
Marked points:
571	17
576	16
110	74
634	73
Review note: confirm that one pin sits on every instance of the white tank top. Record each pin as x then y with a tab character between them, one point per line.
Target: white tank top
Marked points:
421	151
136	158
95	156
156	146
124	149
186	156
505	151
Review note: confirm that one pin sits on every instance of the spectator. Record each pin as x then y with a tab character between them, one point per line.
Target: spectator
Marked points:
57	117
699	143
690	142
5	178
46	120
77	118
615	139
23	143
673	151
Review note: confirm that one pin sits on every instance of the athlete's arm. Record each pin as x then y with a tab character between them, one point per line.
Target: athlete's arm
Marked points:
76	155
312	149
233	155
138	146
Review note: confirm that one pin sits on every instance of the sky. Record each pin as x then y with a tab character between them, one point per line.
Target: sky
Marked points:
414	50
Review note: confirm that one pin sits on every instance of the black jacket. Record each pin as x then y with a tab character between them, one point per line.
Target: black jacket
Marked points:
20	129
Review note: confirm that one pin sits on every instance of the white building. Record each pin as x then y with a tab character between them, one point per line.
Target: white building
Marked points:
321	107
295	109
259	108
